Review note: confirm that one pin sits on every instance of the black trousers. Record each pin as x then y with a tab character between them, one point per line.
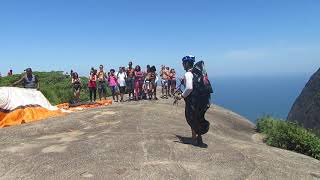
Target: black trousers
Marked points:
93	92
195	111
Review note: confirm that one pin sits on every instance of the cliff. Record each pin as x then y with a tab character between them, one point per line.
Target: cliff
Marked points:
306	109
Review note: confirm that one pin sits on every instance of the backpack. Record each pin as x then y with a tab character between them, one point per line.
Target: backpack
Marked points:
201	94
201	83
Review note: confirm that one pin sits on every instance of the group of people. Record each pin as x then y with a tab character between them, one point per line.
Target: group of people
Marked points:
142	85
168	81
137	83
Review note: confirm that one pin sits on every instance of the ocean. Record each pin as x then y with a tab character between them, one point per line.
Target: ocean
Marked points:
254	97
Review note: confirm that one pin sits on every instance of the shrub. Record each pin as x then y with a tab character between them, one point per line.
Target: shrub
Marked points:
290	136
55	86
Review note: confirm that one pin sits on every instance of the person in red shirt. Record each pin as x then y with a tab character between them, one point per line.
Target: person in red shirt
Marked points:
92	84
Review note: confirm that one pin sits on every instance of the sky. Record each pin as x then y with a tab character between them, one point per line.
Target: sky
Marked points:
234	38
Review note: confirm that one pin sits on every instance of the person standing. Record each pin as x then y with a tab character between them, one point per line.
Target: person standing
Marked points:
92	85
76	84
10	73
138	83
173	80
130	81
161	76
102	84
29	81
197	99
165	76
113	84
122	77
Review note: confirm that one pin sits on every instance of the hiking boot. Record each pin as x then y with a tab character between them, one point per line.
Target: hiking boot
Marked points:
200	142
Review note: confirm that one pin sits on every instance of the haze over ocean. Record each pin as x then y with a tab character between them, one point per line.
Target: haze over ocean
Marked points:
253	97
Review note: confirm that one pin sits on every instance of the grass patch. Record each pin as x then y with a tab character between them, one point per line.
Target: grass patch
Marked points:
290	136
55	86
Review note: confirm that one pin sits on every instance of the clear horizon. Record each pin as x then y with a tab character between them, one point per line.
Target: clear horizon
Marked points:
247	38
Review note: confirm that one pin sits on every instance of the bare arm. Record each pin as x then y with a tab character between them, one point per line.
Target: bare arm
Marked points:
19	81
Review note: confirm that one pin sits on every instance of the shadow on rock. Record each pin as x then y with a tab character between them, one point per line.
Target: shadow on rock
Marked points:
189	141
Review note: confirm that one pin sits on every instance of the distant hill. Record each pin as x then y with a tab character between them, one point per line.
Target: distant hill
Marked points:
306	109
54	85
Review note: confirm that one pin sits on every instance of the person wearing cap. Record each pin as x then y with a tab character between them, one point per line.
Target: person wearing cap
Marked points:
191	113
29	80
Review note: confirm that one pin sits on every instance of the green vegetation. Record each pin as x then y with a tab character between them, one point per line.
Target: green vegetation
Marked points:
54	85
290	136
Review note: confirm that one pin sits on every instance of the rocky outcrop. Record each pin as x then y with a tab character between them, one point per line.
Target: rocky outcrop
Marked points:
144	140
306	109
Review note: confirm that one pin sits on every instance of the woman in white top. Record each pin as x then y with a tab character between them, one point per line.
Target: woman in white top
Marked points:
122	78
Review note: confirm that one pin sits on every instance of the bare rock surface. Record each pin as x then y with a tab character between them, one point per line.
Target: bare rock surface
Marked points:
306	109
144	140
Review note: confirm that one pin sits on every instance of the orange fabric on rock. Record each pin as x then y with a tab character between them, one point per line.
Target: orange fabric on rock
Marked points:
26	115
30	114
66	106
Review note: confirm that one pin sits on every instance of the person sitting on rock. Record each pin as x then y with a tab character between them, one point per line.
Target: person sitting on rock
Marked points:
29	81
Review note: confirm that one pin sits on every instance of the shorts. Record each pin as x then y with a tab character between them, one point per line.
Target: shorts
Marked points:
114	89
76	87
102	85
130	84
122	89
164	83
76	90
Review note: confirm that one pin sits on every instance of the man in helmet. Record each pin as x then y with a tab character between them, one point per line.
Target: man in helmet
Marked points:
192	111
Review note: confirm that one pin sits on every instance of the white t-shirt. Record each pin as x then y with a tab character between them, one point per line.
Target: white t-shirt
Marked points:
122	79
188	81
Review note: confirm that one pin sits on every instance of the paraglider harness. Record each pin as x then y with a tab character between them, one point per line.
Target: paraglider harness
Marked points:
201	83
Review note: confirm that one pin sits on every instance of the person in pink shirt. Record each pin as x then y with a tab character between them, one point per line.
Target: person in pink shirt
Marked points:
113	84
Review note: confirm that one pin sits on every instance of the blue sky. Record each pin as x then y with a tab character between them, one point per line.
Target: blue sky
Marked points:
235	38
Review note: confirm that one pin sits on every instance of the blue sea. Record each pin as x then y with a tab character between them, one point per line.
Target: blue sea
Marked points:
253	97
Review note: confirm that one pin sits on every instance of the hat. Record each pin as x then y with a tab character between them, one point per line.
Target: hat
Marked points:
189	58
